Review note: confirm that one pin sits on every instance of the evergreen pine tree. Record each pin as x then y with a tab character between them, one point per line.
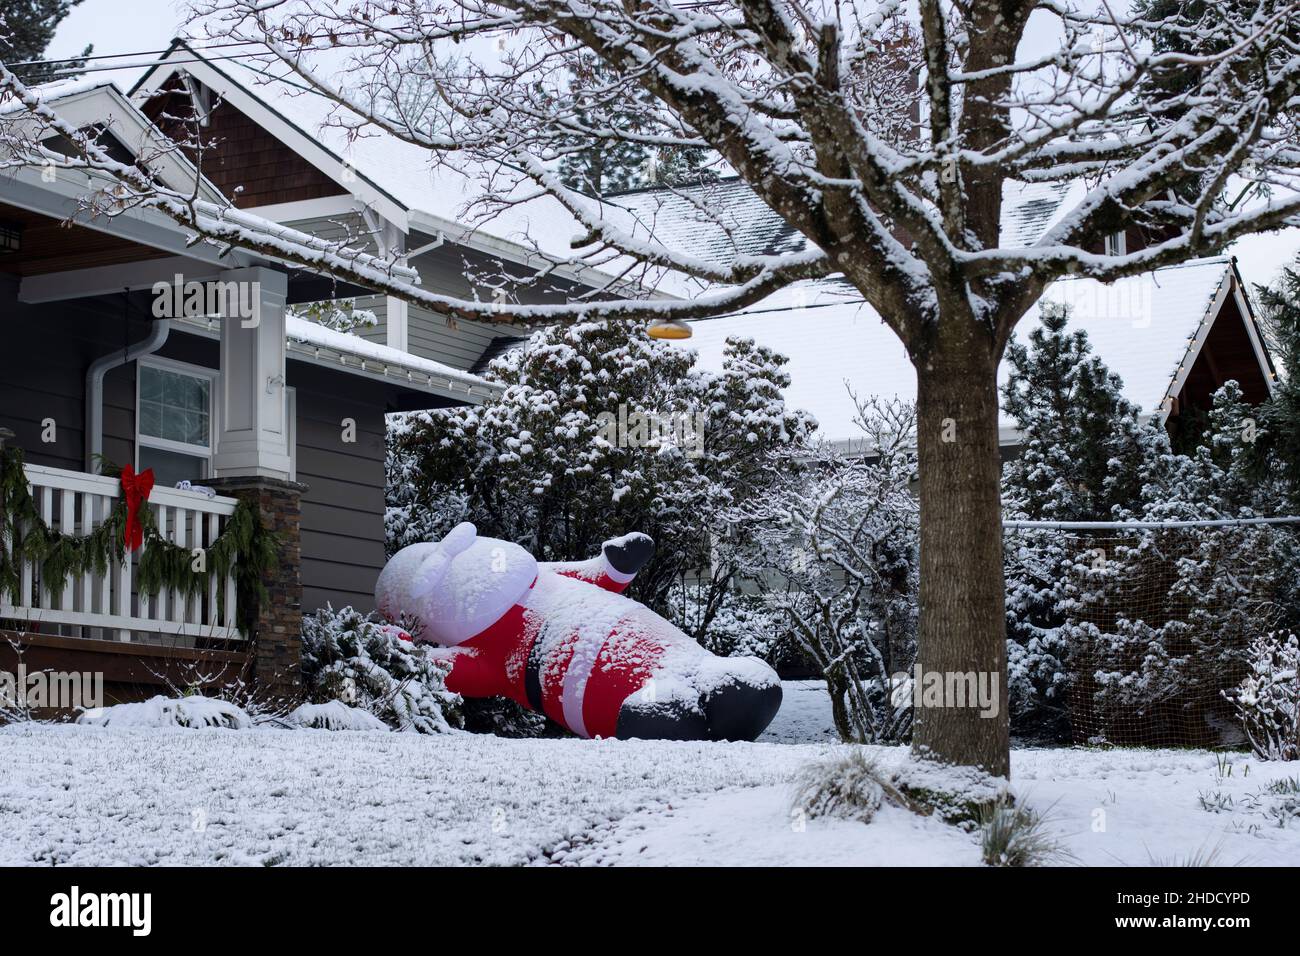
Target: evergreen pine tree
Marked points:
1280	415
599	166
602	167
26	28
566	457
1085	453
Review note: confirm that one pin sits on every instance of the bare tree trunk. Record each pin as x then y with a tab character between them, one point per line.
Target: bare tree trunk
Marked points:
962	629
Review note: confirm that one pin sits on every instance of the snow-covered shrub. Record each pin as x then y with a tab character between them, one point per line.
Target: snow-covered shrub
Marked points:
1161	626
1283	801
1268	700
1084	456
356	659
834	552
192	711
1133	637
567	456
957	795
742	625
852	786
334	715
1014	835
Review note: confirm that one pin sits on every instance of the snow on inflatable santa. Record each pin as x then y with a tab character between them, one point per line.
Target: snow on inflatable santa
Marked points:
560	639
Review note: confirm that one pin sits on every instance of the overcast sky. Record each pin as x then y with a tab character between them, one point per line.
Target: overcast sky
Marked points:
137	26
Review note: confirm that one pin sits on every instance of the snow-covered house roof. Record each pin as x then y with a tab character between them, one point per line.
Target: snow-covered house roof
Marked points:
253	240
86	103
724	219
1148	329
393	177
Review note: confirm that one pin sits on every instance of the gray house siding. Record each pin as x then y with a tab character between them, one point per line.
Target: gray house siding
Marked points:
44	355
343	508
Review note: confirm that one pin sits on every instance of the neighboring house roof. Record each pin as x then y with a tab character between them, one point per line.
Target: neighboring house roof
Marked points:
1148	329
1030	209
499	346
715	221
724	219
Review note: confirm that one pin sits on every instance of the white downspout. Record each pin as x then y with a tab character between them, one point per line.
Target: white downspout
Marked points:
95	385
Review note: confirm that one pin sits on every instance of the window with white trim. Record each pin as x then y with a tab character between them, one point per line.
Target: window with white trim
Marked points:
1117	244
174	421
176	426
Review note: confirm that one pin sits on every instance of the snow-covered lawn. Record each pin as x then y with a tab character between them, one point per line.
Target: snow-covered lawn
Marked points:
102	795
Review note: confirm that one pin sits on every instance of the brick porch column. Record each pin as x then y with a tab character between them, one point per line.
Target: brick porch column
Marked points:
277	637
253	462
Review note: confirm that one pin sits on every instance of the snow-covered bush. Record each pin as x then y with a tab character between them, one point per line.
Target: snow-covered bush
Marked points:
1084	454
192	711
600	430
1132	637
1160	627
742	625
853	786
503	717
1268	700
834	552
334	715
356	659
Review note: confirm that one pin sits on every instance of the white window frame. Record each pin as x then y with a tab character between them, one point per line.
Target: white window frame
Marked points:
214	425
206	454
1117	244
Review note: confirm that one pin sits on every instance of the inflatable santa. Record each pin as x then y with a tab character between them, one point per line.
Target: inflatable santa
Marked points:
561	639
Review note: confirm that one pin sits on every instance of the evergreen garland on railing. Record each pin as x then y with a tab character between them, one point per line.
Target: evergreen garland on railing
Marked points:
244	546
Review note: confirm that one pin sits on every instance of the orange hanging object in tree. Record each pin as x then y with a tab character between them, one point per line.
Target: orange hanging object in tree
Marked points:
135	489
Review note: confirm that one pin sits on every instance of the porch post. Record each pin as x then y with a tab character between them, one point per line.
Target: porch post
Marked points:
254	437
396	315
252	463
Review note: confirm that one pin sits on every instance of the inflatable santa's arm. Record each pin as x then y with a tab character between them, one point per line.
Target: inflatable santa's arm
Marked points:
619	561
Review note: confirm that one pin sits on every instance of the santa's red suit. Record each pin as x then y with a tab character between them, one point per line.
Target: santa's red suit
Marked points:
561	639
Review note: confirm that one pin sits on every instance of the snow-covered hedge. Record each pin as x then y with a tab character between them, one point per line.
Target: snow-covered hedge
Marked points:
170	712
354	658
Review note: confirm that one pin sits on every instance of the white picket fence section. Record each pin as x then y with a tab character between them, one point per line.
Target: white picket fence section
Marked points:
109	606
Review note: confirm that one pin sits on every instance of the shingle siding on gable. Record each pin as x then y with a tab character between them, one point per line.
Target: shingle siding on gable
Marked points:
244	161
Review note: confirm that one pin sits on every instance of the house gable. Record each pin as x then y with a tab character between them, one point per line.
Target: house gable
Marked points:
241	158
1232	350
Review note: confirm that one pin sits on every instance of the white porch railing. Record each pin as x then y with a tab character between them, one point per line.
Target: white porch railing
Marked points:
109	606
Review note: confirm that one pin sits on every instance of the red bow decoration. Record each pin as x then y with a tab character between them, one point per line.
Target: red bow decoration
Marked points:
135	488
